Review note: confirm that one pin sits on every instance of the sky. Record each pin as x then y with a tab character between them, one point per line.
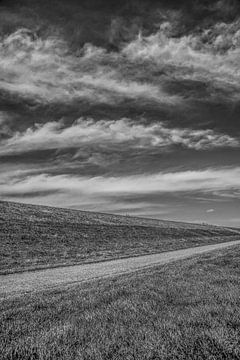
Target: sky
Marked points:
127	107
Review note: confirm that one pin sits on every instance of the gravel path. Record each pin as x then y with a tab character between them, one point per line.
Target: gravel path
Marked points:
15	284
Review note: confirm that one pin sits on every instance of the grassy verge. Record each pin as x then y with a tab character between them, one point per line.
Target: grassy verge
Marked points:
184	310
36	237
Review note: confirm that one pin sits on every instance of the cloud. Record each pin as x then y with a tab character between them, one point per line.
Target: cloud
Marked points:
225	7
5	131
208	180
103	133
211	54
46	70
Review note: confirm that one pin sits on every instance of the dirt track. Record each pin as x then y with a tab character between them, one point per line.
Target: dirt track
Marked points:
14	284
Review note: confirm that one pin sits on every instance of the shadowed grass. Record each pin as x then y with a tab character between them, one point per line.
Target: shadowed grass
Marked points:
37	236
184	310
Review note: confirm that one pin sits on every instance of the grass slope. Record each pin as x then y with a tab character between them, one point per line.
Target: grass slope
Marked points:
37	236
184	310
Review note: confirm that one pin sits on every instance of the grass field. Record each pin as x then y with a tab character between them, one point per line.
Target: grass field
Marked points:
34	236
184	310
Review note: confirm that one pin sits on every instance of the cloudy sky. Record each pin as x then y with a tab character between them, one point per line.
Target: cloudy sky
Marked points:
128	106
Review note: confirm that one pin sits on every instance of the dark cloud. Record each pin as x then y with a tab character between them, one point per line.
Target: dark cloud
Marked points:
108	22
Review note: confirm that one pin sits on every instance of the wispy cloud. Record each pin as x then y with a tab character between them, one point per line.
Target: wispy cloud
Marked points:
220	179
211	53
210	210
86	132
45	70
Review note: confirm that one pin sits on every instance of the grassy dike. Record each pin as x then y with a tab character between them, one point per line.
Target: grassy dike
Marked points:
185	310
34	237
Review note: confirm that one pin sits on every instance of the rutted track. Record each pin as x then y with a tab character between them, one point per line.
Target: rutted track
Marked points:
15	284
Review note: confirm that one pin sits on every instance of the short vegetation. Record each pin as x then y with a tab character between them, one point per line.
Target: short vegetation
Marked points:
184	310
35	236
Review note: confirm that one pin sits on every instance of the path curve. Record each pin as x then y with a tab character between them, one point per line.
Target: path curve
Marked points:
15	284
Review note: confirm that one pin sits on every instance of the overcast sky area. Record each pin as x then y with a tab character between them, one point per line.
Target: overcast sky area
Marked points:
130	107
